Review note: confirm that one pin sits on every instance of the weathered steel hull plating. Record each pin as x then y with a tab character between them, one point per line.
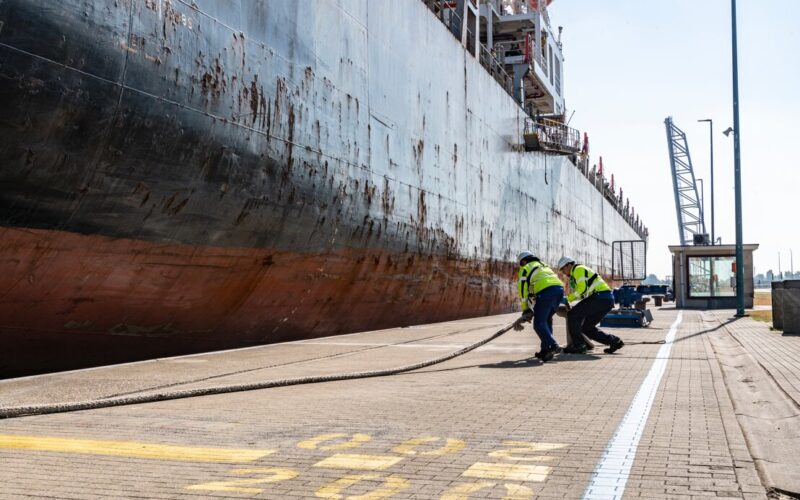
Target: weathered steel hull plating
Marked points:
185	176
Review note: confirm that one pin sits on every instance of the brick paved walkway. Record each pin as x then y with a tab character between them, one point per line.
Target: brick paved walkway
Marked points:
777	353
762	372
491	424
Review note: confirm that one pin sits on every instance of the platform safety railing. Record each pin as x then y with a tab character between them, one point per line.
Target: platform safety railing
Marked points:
550	135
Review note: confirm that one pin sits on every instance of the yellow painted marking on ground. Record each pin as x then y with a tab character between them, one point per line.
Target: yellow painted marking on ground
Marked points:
523	447
391	486
509	472
409	447
315	442
517	492
275	475
358	462
131	449
463	491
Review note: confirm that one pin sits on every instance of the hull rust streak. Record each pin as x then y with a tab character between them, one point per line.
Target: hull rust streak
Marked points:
185	176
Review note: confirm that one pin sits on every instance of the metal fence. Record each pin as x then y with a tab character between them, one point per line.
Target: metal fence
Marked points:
629	260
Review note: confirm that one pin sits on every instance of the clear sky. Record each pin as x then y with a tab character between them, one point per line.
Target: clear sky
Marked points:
631	63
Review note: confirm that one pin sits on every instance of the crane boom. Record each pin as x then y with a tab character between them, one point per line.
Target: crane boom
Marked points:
691	220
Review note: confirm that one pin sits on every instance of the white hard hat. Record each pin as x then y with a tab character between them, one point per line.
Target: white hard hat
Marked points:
563	261
524	255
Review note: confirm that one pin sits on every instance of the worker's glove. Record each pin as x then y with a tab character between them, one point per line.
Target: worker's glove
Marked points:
520	322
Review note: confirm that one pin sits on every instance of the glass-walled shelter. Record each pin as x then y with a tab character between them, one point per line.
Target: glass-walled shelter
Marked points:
705	276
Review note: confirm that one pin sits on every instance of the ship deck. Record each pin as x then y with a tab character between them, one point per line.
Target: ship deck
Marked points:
655	421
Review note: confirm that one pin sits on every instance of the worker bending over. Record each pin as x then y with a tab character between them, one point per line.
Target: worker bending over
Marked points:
596	300
540	293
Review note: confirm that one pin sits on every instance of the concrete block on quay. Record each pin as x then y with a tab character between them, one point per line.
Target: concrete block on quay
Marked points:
790	307
777	305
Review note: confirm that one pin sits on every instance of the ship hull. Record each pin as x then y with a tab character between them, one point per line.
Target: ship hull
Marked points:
179	177
81	300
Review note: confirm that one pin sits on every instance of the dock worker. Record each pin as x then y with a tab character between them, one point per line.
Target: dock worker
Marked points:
596	300
540	293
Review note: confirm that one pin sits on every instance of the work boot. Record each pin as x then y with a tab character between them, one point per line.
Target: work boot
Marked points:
575	349
616	345
547	354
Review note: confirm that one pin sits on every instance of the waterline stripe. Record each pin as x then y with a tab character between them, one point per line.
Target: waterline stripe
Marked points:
611	474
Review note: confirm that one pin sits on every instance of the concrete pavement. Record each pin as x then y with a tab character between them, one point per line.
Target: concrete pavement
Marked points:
494	423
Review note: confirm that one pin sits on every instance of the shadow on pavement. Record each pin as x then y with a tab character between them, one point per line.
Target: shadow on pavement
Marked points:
533	361
530	362
703	332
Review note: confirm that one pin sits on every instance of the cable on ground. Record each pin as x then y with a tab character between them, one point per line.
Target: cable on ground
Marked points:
23	411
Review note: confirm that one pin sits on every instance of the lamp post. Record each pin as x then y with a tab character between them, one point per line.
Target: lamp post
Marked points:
711	138
702	200
737	167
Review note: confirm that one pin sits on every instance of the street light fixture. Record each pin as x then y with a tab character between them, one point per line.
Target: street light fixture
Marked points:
711	138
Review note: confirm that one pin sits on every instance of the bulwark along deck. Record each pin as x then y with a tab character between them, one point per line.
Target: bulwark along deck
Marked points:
652	421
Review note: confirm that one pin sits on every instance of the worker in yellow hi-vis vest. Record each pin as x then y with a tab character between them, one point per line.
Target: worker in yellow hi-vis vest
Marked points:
596	300
540	293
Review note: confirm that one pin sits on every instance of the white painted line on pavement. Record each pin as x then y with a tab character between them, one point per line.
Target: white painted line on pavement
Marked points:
611	474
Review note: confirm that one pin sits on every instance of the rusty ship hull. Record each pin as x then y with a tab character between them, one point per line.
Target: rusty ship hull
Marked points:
178	177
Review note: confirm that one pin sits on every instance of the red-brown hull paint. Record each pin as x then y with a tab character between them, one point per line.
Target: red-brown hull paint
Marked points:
69	300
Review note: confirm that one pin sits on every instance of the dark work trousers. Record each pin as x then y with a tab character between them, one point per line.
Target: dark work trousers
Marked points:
544	308
585	316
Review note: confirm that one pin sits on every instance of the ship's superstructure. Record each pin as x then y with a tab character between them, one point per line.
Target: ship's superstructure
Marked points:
183	176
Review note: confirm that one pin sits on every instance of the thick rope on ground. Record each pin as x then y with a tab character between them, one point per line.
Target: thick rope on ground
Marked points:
23	411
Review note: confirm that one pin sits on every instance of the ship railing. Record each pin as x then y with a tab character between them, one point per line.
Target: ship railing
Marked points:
601	184
541	59
448	14
496	69
540	134
543	134
510	48
557	73
493	61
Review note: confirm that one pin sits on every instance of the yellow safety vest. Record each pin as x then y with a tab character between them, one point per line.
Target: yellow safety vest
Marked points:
534	276
583	282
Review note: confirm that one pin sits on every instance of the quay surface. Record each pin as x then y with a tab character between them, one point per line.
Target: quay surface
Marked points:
713	413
